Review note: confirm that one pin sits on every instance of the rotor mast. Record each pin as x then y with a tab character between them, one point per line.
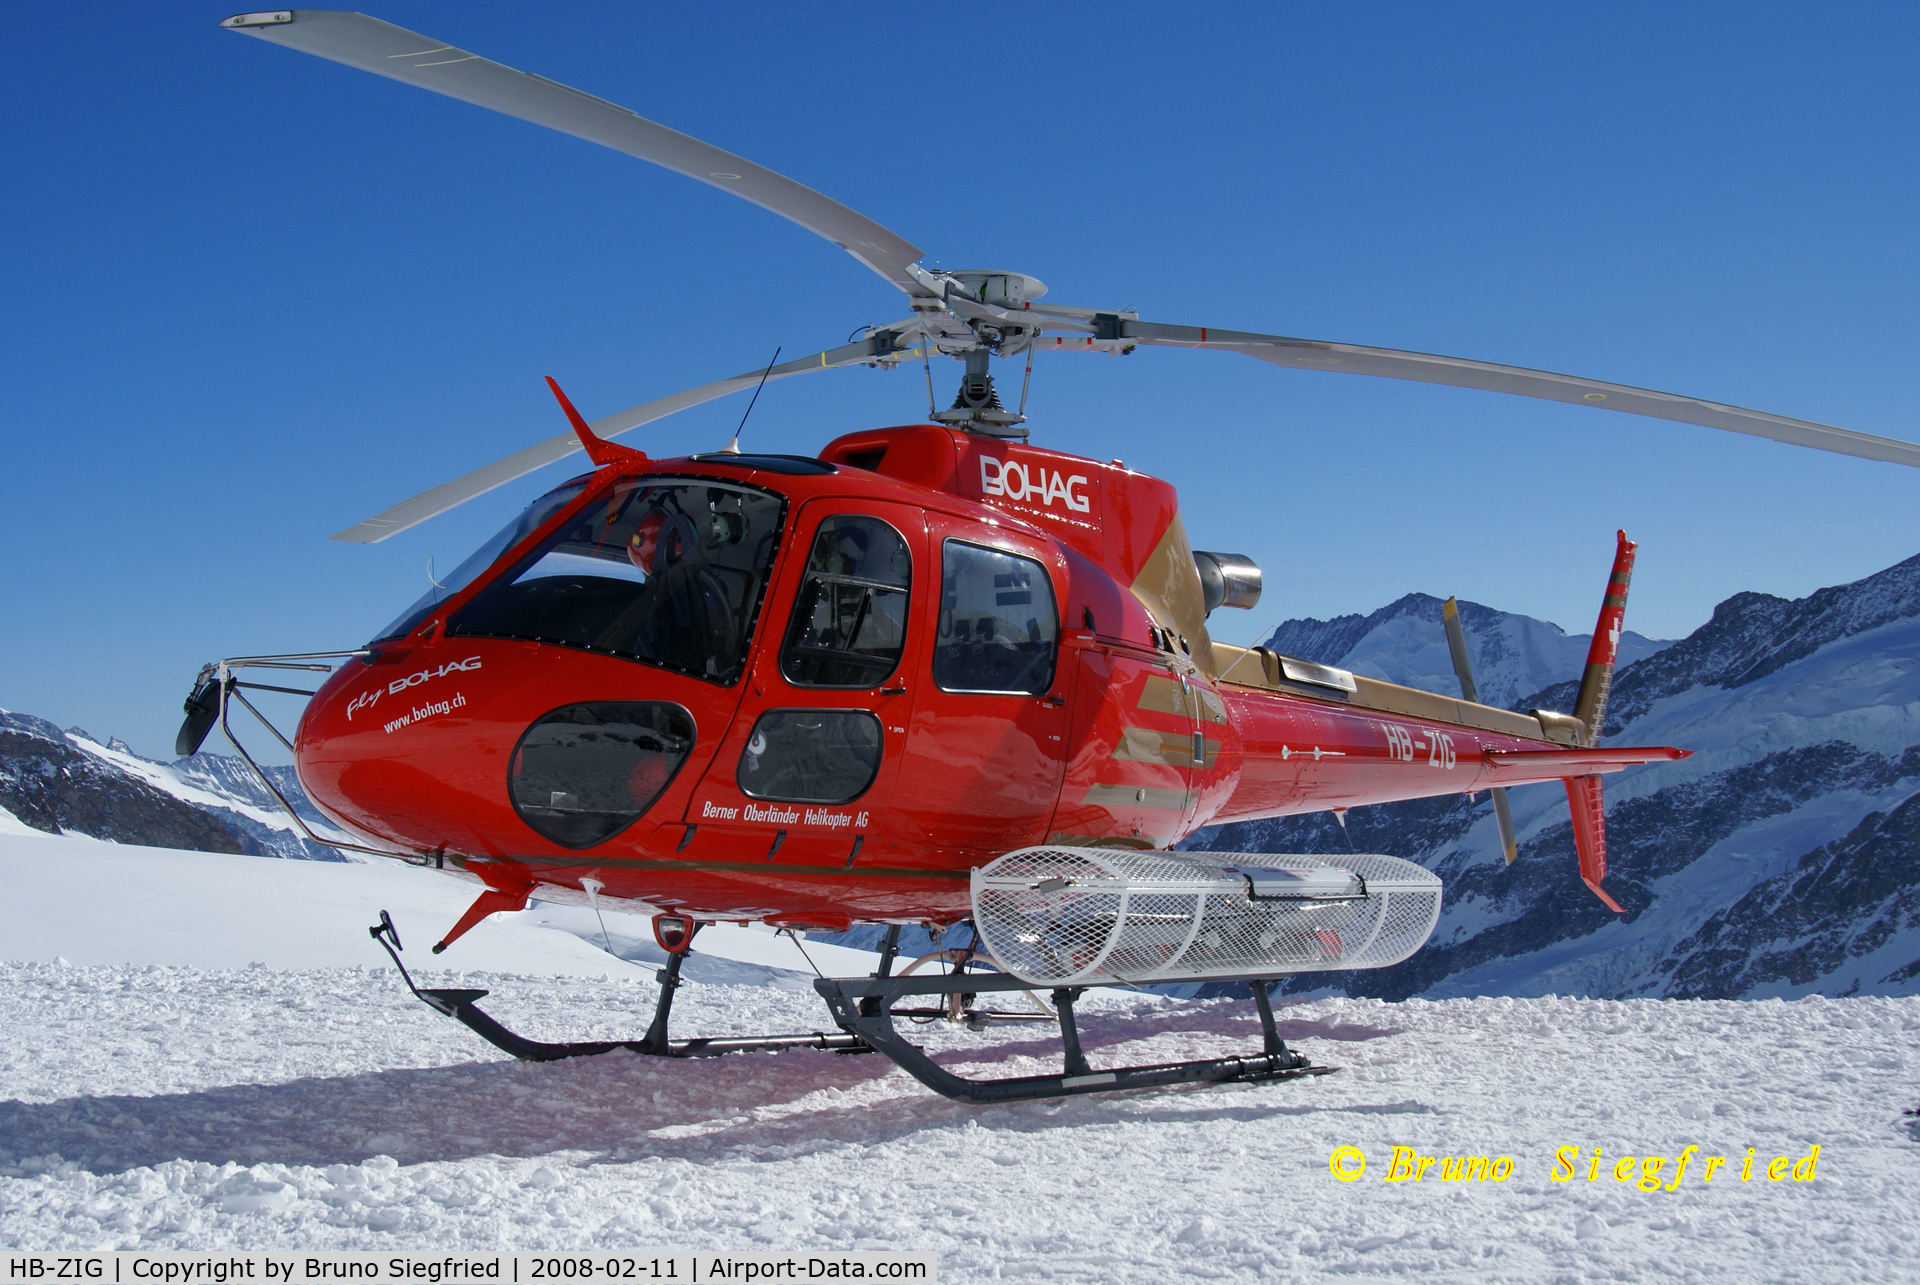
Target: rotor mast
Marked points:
976	315
976	407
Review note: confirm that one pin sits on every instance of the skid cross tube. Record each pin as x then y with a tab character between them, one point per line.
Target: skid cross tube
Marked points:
864	1007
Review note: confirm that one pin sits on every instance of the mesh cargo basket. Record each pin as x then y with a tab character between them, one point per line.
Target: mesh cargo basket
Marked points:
1090	916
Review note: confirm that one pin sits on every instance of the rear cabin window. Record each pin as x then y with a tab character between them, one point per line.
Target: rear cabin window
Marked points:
997	622
850	620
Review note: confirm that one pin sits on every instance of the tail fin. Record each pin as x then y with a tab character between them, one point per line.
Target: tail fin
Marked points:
1590	835
1583	792
1591	706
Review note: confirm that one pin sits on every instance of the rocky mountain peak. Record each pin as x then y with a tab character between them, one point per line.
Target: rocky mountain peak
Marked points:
1406	642
72	782
1752	635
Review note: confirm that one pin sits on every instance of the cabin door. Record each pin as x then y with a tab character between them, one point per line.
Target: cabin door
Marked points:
987	750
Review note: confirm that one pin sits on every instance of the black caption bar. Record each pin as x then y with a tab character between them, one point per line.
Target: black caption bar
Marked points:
280	1267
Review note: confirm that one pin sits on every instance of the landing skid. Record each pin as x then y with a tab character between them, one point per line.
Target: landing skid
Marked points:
865	1009
464	1007
864	1006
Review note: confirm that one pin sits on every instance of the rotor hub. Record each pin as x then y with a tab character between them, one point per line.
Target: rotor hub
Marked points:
1001	289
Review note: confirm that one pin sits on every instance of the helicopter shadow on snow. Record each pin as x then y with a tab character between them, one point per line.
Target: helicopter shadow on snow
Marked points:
620	1107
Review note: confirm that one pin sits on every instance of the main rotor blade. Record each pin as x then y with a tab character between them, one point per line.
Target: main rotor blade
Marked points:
447	495
1390	363
399	54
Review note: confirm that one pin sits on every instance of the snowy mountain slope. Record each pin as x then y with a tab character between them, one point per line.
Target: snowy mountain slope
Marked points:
70	781
221	911
226	787
1845	913
314	1105
1405	642
1805	721
49	782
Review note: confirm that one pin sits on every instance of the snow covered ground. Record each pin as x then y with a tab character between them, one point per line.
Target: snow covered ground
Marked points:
223	1060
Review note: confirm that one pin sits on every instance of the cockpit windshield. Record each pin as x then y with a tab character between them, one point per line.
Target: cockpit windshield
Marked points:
669	572
483	557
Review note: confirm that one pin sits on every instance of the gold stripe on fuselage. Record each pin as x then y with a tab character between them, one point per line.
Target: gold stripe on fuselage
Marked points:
1117	798
1145	745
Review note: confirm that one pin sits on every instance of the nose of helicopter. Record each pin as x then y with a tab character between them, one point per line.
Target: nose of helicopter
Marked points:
491	747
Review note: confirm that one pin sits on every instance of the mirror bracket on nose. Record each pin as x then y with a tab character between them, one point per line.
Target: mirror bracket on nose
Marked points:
217	688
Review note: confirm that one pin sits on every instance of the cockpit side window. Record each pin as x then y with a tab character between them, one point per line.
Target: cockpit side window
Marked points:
531	518
998	624
850	619
666	571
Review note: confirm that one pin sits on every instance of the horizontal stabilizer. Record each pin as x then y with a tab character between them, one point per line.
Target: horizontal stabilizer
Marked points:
1523	767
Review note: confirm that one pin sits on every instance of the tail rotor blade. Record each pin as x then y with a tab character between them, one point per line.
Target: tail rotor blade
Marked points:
1509	843
1463	669
1457	645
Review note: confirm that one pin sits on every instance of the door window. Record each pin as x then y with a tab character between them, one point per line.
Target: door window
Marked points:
850	619
997	622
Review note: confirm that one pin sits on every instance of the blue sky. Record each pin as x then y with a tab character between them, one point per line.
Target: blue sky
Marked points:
253	297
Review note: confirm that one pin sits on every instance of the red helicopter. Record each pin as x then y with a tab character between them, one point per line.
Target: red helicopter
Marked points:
933	675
